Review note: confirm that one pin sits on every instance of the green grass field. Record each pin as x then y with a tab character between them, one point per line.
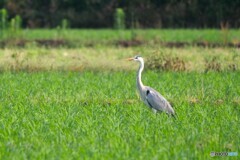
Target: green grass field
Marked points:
82	37
173	35
91	115
81	103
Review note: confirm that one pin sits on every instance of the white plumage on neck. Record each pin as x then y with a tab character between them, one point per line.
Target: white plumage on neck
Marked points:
140	85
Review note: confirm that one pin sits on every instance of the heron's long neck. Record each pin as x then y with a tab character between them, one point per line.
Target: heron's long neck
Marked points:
139	76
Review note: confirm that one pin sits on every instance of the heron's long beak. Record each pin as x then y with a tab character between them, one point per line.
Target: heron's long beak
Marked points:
130	59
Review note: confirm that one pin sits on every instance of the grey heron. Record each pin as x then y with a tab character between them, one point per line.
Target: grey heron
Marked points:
150	96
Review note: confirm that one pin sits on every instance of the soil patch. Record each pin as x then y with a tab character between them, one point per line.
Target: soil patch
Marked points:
54	43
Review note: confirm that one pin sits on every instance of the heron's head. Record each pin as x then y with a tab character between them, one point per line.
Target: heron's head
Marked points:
136	58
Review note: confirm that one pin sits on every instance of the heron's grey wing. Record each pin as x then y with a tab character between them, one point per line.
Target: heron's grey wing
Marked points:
157	101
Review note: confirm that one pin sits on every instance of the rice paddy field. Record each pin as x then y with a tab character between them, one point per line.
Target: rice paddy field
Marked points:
81	102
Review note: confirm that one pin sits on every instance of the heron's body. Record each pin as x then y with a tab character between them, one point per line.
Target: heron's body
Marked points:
150	96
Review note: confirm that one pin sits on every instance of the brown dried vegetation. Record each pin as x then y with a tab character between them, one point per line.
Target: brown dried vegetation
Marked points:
212	64
165	63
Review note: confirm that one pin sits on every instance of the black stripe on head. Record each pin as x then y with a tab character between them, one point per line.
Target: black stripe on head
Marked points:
136	57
